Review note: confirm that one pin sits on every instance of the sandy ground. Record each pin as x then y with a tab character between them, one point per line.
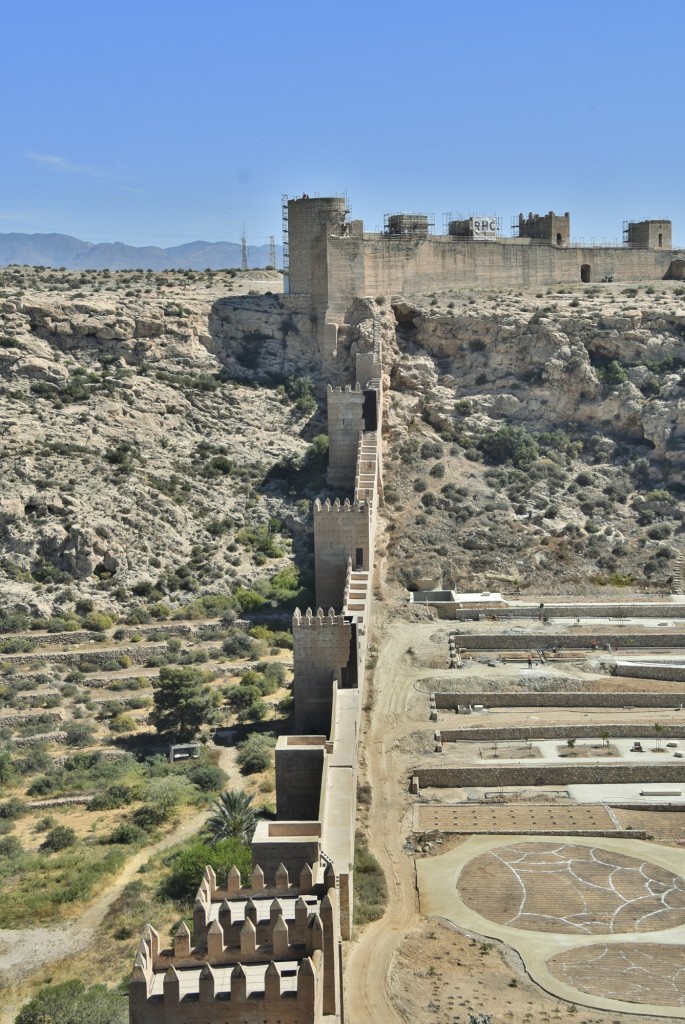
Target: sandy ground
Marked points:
406	968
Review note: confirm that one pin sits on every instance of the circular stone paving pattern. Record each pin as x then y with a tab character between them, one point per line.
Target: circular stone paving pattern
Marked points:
572	889
650	973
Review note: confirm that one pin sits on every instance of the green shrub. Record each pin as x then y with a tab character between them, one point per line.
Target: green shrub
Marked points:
98	622
509	444
10	847
273	637
58	838
256	753
239	645
72	1003
370	888
188	865
126	833
12	809
78	734
207	777
112	797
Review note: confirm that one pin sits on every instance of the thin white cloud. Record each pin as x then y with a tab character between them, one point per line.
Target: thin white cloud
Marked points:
59	163
64	166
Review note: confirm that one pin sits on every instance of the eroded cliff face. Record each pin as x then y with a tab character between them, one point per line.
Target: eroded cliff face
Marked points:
599	369
552	369
145	423
131	455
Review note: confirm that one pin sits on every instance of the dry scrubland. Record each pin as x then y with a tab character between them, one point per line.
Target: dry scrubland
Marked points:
154	518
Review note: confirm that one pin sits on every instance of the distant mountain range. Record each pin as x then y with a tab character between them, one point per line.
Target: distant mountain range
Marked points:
65	251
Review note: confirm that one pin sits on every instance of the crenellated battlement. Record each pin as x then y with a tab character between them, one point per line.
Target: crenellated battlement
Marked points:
341	506
316	619
288	991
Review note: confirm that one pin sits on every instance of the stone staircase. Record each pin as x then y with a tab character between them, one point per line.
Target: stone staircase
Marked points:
677	585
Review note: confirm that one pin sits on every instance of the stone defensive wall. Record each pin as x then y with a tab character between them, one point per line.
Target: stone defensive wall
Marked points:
374	264
557	699
667	673
542	774
271	953
564	641
562	732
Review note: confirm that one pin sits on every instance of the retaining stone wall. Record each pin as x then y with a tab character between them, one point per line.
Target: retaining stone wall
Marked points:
16	720
563	699
564	641
551	775
82	636
593	611
44	737
138	655
675	673
551	732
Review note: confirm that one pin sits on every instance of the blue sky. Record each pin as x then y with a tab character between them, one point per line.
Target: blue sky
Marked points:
159	123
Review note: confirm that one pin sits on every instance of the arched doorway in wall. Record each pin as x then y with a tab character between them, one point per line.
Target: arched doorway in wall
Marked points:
559	238
585	273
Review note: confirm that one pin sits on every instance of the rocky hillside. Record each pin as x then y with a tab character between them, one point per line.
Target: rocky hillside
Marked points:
138	474
157	435
537	438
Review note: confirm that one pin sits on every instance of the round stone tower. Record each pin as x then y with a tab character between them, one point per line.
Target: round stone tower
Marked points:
309	220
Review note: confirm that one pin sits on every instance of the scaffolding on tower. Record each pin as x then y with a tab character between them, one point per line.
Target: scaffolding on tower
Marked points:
284	223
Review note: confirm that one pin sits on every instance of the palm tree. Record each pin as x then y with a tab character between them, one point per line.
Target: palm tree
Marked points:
233	817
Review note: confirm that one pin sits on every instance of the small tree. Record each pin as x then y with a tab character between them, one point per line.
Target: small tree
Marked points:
182	702
658	729
72	1003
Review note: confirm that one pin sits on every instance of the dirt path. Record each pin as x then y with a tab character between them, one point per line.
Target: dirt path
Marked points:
25	949
369	961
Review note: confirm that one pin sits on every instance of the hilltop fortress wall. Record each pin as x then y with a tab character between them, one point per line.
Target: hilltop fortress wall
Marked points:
271	951
332	259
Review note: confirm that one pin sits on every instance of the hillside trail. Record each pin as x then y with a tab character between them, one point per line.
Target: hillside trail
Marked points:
368	991
23	950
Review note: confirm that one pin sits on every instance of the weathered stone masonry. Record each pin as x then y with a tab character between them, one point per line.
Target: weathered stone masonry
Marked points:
271	952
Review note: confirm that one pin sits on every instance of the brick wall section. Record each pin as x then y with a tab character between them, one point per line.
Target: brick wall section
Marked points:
550	732
552	775
565	641
564	699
